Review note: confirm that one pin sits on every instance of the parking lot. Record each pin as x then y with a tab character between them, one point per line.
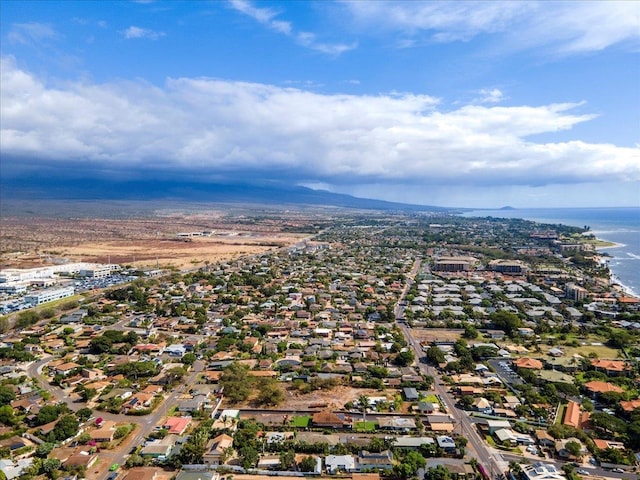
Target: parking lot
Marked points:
505	372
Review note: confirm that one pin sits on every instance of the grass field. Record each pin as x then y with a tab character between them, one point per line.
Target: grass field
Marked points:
365	426
301	422
431	398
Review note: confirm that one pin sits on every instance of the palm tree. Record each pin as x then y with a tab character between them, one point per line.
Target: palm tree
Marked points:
363	401
515	467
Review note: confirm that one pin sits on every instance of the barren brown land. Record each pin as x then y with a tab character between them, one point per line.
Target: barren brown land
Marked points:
139	242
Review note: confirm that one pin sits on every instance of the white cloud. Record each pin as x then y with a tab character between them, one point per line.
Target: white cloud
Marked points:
204	126
268	18
31	33
138	32
561	27
490	96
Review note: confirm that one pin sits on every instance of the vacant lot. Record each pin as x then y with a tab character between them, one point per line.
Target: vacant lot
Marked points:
30	242
429	335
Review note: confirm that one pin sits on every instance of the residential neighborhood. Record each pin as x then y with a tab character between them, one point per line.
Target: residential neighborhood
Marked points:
391	346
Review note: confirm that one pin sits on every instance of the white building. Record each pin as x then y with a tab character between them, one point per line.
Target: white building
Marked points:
49	296
542	471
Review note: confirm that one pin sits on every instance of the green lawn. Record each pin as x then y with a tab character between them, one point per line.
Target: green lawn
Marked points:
301	422
365	426
431	398
560	415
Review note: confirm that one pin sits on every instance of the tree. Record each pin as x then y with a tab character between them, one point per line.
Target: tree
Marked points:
7	395
363	403
134	460
7	416
49	467
439	472
409	465
435	355
606	423
101	344
515	467
44	449
66	427
287	460
404	358
574	448
269	392
248	456
189	358
84	413
236	382
50	413
308	464
505	320
470	332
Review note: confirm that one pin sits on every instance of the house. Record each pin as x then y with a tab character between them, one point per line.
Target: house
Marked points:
529	363
160	449
192	404
505	436
269	462
440	423
216	449
105	433
572	415
397	424
375	461
66	368
541	471
562	451
630	405
428	407
410	394
544	439
81	458
494	425
596	387
176	425
612	368
328	419
141	473
482	405
412	442
339	463
604	444
196	475
446	443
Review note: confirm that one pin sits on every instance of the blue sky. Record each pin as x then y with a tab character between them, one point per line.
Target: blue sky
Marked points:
474	104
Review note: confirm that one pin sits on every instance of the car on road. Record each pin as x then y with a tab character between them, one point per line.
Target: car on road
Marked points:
112	476
582	471
113	467
617	470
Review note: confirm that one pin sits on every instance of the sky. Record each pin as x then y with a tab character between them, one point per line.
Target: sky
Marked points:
459	104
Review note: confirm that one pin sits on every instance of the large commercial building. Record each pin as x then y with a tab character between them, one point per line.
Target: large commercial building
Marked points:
511	267
49	296
454	264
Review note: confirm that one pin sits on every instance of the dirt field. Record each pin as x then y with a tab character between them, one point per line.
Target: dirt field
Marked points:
136	242
333	399
426	336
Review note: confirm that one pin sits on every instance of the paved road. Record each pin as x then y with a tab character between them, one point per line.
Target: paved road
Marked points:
476	446
145	424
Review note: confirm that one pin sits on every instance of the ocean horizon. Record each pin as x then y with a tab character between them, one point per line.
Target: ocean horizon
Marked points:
619	225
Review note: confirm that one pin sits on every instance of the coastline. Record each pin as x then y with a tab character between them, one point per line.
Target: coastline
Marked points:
614	280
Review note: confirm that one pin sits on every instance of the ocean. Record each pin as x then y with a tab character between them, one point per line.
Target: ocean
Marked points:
619	225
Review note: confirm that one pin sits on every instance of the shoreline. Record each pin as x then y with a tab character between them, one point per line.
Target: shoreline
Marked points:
614	280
